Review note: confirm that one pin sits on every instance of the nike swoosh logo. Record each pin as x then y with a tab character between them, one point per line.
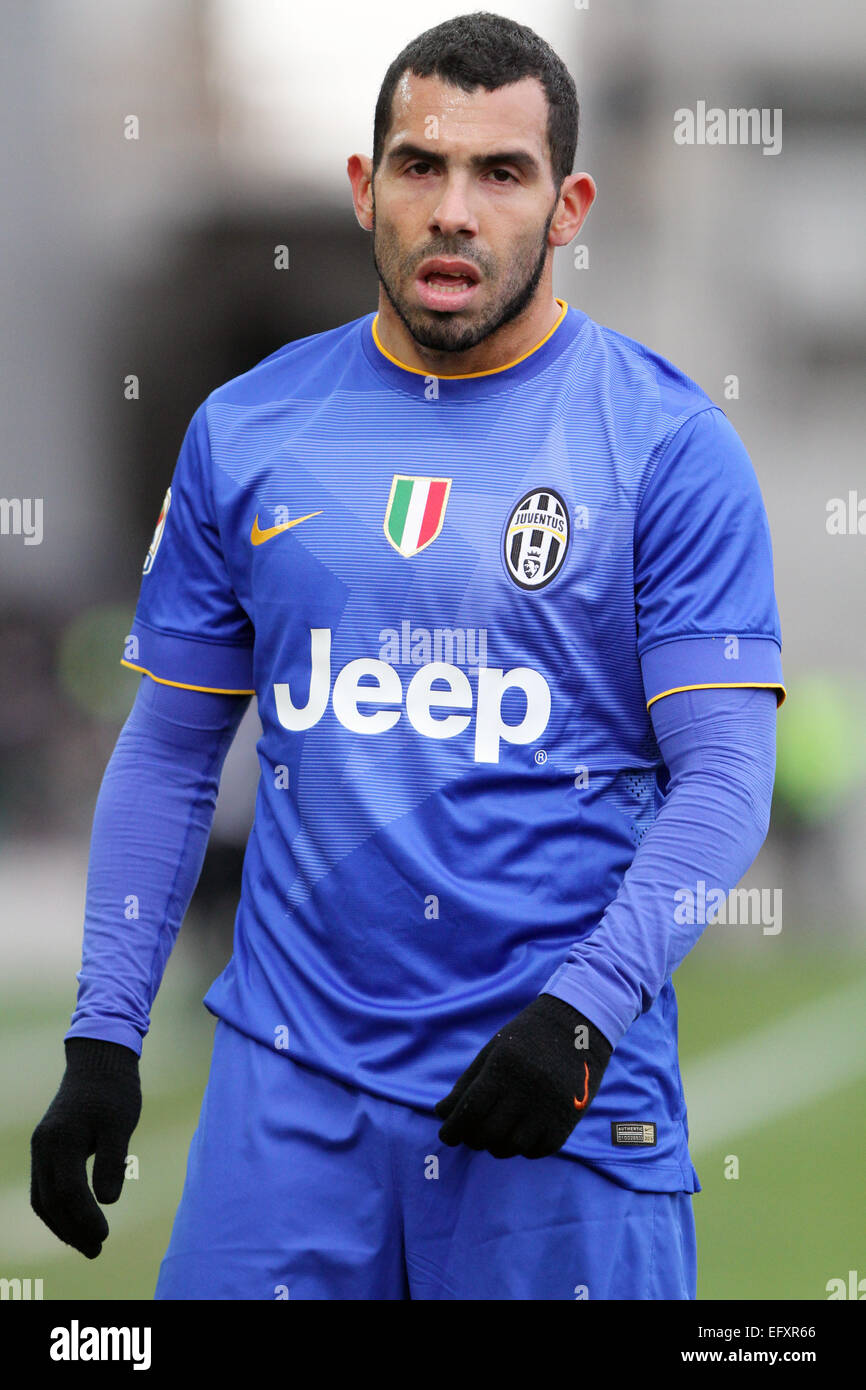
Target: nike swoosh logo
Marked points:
259	537
581	1104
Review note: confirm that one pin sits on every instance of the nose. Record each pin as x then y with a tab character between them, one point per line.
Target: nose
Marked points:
452	213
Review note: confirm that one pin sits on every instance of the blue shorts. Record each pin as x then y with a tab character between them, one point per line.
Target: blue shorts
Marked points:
301	1187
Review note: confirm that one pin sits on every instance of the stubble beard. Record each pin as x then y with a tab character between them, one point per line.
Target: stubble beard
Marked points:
444	331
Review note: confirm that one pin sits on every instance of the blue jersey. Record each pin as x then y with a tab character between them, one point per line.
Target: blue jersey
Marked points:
456	600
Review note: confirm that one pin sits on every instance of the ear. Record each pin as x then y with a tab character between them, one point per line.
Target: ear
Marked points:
576	197
360	170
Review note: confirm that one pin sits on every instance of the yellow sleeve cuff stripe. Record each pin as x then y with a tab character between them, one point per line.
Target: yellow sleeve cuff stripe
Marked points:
182	685
725	685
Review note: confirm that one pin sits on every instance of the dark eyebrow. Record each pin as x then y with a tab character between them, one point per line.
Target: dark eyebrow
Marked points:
520	159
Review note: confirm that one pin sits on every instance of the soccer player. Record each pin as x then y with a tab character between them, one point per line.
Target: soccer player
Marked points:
501	582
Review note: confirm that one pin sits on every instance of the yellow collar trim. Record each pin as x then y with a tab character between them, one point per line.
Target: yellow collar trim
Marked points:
463	376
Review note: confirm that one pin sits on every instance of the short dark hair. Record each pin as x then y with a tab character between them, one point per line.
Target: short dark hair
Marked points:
490	51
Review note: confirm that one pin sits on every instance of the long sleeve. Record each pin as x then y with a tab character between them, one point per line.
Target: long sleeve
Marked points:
150	830
719	748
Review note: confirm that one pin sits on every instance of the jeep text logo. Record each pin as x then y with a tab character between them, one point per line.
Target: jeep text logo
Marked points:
382	687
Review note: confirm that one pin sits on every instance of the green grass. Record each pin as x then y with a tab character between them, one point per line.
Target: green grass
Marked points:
722	990
794	1217
174	1073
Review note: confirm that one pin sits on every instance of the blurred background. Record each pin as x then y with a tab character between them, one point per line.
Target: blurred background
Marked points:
154	155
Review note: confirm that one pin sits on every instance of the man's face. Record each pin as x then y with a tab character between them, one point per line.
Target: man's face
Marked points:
466	176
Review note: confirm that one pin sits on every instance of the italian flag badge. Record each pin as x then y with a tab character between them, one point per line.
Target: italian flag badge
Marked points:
415	512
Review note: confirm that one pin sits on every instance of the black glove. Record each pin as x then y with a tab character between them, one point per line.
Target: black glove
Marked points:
94	1112
527	1089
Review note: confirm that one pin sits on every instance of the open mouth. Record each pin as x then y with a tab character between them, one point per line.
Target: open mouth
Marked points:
445	288
448	282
